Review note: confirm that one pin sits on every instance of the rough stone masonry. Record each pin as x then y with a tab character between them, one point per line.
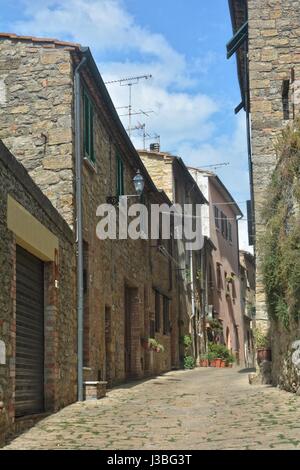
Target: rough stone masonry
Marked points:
274	74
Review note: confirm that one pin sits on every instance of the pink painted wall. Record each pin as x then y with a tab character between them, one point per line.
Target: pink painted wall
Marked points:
227	255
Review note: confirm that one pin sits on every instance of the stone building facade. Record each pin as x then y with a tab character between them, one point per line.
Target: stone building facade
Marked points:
31	229
170	174
220	226
129	285
269	72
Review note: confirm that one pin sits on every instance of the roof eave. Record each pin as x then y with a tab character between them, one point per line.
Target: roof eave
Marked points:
235	27
85	51
228	196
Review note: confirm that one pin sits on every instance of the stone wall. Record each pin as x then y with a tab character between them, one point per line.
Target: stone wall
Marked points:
60	302
285	370
274	57
118	264
168	174
274	35
36	115
37	123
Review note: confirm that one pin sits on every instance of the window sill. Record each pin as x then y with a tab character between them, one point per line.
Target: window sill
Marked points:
91	166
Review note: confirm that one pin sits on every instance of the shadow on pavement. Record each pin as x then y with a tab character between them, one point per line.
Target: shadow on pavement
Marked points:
247	371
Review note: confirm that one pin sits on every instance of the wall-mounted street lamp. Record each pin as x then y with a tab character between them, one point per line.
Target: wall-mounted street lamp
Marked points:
139	184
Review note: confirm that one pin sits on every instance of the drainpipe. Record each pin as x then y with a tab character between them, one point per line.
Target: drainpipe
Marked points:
238	272
193	301
79	239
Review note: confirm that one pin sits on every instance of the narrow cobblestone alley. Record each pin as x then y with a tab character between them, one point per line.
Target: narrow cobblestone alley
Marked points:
199	409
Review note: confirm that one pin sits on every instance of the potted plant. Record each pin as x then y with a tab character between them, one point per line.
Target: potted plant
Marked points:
263	350
211	359
160	348
221	354
204	362
230	278
230	360
189	362
153	344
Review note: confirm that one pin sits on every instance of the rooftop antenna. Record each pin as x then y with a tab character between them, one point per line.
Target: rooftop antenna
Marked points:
216	166
135	113
129	81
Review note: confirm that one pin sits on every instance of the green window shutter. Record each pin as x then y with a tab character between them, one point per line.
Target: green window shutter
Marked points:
88	128
120	176
92	154
86	124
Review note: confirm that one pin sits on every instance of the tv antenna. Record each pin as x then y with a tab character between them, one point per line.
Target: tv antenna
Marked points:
135	113
216	166
146	135
130	81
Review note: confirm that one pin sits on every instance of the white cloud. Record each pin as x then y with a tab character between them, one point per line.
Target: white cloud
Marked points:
183	118
107	28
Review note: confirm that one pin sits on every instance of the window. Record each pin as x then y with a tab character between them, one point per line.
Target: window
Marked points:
229	231
226	227
285	99
233	290
166	317
227	283
120	176
217	221
219	277
88	128
222	223
152	329
157	311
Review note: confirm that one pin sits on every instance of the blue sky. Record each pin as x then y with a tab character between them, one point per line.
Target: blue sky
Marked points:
194	88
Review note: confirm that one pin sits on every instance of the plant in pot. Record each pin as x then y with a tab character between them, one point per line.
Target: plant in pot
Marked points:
204	360
153	344
160	348
230	360
262	343
221	353
212	359
230	277
189	362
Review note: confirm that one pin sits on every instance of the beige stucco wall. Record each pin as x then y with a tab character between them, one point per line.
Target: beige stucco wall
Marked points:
30	233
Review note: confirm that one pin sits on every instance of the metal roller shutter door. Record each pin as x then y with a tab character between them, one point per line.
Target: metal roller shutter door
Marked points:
29	334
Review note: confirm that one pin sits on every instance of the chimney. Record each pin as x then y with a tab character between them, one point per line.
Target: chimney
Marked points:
155	147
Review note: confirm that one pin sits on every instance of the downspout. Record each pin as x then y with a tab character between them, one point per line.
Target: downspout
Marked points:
240	343
79	238
193	303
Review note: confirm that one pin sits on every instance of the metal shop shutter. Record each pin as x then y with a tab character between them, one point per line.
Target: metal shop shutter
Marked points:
29	334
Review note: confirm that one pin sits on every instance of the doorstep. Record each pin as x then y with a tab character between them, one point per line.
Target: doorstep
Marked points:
94	390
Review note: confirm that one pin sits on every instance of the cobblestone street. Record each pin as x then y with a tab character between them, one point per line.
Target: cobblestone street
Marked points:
199	409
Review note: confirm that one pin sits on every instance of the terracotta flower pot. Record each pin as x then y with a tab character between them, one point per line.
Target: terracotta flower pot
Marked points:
264	354
213	363
222	363
203	362
218	362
